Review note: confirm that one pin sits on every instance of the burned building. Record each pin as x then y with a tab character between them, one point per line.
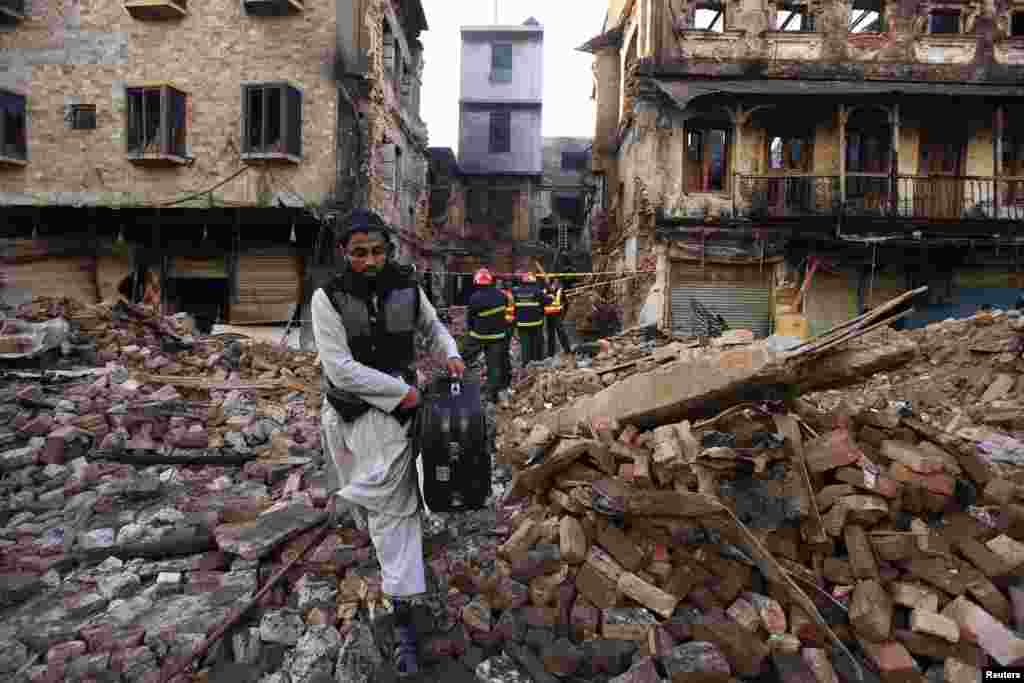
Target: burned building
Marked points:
859	147
210	145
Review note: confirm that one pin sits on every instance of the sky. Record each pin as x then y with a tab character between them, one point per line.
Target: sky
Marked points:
568	109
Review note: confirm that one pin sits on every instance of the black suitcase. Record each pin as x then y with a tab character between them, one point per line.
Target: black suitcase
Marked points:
452	434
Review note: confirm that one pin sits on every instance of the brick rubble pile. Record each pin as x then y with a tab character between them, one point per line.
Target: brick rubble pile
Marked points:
870	533
147	500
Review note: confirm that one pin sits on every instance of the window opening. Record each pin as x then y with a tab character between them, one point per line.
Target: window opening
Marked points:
944	21
709	16
707	158
789	152
13	125
157	121
794	17
1017	25
273	119
866	16
501	133
501	62
82	116
398	174
574	161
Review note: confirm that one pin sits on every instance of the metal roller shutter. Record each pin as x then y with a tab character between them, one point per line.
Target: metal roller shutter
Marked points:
268	288
742	307
198	267
59	276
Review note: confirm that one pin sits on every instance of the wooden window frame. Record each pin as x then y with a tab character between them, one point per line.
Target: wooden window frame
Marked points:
17	152
701	130
289	142
787	136
167	148
499	121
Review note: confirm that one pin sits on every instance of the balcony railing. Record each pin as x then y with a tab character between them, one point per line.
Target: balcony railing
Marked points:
914	197
788	196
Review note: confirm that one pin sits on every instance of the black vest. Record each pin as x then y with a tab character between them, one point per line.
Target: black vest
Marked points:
379	316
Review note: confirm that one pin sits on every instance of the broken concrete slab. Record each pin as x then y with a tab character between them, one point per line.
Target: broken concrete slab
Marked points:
704	384
253	540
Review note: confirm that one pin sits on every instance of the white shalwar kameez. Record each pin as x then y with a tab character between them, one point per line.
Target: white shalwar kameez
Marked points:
371	454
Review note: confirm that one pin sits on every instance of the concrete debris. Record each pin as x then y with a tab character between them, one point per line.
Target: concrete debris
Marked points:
863	536
150	492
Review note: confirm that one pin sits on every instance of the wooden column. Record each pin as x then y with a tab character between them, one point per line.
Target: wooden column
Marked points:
844	116
738	118
894	118
997	152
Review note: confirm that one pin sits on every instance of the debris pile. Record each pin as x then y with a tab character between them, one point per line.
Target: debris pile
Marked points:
675	512
866	542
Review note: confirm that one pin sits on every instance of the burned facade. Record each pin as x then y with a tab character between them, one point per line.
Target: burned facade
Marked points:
861	147
210	145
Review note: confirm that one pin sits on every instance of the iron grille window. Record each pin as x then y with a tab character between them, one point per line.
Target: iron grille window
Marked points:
944	21
794	17
501	132
82	116
709	16
272	119
501	62
867	16
12	125
157	122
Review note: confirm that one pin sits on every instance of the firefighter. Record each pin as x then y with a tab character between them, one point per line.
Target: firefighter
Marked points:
510	322
365	321
529	299
488	331
555	307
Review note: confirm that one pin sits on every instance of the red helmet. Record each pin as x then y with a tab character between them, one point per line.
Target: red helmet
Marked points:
483	277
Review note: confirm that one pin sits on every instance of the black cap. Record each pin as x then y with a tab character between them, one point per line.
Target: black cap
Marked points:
360	220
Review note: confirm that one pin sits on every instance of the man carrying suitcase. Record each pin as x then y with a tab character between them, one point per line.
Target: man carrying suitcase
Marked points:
364	322
529	299
487	331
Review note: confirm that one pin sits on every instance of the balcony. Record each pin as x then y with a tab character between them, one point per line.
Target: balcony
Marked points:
907	197
145	10
12	11
789	196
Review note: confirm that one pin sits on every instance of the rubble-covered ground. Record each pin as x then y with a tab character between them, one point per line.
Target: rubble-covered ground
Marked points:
151	482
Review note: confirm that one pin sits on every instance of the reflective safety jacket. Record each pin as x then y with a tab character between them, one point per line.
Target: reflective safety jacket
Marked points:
553	302
510	306
529	306
487	315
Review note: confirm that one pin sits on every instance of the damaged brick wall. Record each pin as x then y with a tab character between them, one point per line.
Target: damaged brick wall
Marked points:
397	170
87	53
